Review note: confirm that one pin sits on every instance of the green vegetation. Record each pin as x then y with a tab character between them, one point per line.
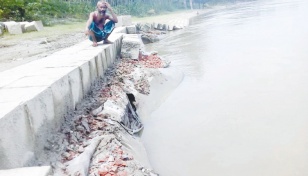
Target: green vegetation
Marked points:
55	11
45	10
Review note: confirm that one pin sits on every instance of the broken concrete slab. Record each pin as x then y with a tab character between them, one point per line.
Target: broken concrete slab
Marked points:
34	26
13	27
155	25
145	27
177	27
2	26
164	27
130	46
23	24
131	29
159	26
169	28
149	38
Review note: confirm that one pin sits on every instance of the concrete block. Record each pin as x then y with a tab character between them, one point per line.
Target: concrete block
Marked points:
85	77
134	36
145	27
131	29
152	26
164	27
176	27
169	28
149	38
23	24
17	138
41	114
13	27
2	26
75	83
119	30
118	45
116	38
113	52
99	65
40	110
108	56
130	46
104	60
34	26
28	171
93	70
62	99
155	25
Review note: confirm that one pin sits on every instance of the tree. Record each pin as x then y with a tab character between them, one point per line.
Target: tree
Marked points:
191	4
185	5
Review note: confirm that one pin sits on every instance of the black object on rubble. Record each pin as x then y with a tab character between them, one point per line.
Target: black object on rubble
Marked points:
131	121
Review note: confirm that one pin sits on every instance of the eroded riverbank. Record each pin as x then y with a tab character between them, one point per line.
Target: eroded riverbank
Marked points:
94	140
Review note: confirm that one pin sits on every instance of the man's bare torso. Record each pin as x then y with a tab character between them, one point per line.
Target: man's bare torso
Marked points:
99	19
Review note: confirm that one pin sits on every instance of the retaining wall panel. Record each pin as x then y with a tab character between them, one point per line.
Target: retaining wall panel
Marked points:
62	100
41	113
99	65
85	77
93	70
16	139
104	60
75	83
108	57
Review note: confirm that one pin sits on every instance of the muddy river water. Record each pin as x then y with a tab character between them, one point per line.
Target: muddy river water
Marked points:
242	107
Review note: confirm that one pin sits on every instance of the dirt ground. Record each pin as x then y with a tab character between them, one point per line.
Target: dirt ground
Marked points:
16	50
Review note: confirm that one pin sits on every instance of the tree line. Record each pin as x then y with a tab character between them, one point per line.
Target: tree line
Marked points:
48	10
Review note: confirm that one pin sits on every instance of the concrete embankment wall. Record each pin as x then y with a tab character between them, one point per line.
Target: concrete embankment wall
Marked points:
37	96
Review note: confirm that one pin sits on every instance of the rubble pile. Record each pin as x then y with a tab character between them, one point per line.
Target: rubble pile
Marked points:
153	61
148	33
95	138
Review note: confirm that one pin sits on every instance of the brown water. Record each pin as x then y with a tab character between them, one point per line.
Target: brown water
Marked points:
242	108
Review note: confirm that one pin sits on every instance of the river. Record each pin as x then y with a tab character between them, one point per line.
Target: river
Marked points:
242	107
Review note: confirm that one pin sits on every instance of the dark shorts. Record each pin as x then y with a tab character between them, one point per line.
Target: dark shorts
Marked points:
101	34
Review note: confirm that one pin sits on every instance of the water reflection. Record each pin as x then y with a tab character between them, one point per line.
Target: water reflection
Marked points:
242	107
